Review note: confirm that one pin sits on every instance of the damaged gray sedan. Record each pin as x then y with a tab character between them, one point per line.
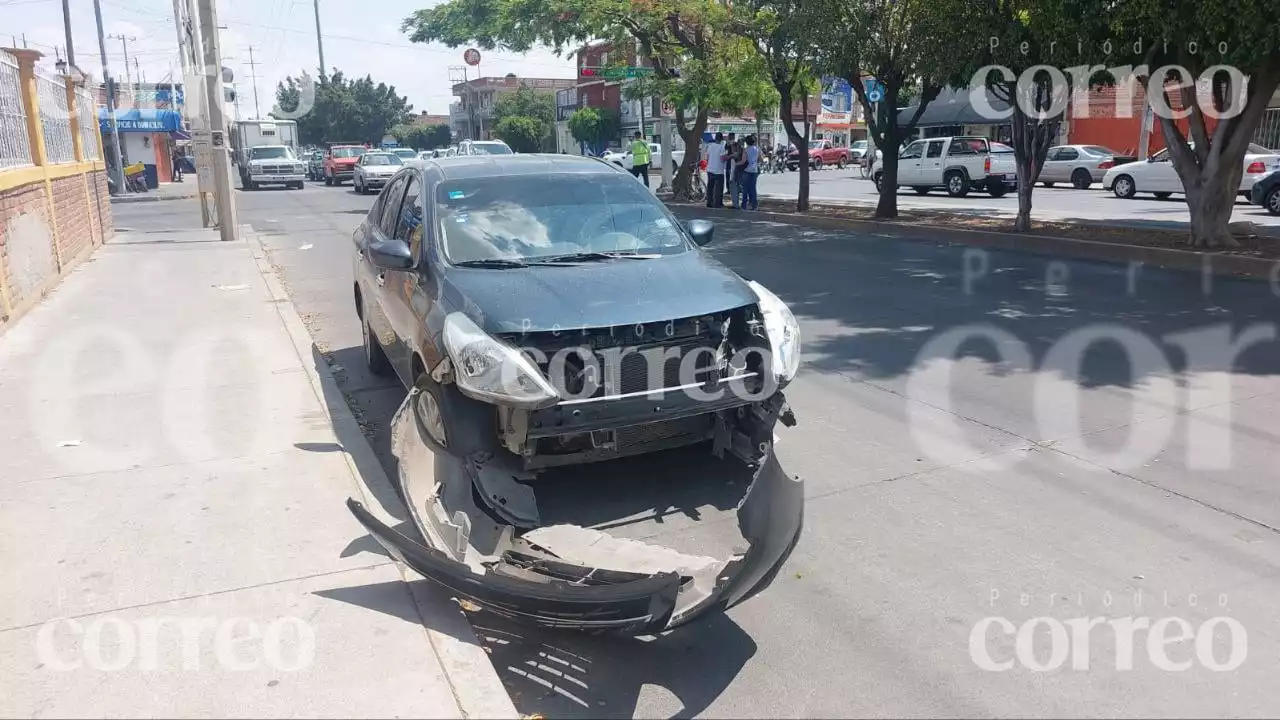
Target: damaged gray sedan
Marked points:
547	312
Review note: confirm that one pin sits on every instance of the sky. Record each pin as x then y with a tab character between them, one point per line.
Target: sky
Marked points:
359	38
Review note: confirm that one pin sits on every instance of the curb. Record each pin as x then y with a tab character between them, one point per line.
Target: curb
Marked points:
1242	266
476	686
139	197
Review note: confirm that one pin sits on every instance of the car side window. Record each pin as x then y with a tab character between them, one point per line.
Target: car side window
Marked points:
409	227
935	149
913	151
1067	154
959	147
391	206
1052	154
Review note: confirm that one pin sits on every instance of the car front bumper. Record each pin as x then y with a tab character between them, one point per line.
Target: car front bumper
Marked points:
375	180
277	178
631	592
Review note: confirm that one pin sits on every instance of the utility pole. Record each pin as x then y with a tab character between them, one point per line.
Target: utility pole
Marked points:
124	44
66	31
193	102
227	220
253	74
319	39
111	101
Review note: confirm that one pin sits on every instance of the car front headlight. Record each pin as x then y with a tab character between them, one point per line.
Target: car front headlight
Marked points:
783	331
489	370
299	168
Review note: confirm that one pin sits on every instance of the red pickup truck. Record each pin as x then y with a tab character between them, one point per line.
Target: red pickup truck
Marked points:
821	154
340	163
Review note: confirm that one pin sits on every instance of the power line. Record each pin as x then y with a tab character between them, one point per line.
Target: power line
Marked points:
253	74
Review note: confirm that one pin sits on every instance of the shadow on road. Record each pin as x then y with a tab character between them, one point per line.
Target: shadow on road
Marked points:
892	297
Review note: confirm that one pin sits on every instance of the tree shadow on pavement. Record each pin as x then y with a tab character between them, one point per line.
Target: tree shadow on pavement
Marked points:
870	305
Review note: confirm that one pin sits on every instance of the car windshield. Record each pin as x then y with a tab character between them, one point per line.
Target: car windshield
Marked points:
348	152
381	159
270	153
858	144
525	218
490	148
405	153
1099	150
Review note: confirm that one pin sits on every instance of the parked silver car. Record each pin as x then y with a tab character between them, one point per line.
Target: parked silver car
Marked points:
1080	165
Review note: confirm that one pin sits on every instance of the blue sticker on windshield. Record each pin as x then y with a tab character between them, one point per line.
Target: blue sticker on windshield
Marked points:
456	194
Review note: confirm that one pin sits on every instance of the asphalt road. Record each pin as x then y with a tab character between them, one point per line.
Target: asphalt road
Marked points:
1027	475
1056	203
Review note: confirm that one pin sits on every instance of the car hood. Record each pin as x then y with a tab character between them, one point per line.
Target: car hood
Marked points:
606	293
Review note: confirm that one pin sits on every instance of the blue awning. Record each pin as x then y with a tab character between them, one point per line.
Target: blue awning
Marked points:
142	120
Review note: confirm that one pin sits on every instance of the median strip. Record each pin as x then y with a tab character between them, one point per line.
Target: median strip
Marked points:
1257	256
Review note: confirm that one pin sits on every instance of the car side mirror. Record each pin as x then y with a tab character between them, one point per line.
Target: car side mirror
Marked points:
700	230
391	255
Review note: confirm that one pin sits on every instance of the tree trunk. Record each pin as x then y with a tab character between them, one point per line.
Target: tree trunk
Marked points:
887	206
784	83
681	184
1211	198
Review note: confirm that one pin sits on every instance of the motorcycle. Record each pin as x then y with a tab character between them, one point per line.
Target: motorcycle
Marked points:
135	179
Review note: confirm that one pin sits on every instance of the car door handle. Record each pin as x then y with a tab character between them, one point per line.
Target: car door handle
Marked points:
382	279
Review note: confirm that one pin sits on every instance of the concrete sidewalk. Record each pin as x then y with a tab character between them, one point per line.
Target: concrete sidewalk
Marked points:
175	542
188	188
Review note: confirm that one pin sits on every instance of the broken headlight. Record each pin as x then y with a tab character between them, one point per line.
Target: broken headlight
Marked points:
783	331
491	371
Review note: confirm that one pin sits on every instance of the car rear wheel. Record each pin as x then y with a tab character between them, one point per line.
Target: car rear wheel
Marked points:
921	189
877	178
1048	184
957	184
1081	179
1272	201
840	164
817	163
1124	187
1162	195
996	190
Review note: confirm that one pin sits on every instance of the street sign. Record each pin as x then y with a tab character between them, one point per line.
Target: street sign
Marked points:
874	89
471	57
626	73
204	161
668	108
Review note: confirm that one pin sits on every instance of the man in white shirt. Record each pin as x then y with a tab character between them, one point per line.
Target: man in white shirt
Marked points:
714	155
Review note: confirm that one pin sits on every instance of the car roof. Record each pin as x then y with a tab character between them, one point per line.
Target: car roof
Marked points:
480	166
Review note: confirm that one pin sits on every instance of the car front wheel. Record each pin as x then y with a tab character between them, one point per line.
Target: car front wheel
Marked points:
1272	201
1124	187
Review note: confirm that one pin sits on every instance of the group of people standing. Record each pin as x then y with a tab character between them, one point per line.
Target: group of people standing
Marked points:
732	165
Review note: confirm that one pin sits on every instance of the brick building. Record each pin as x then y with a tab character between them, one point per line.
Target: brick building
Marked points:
472	116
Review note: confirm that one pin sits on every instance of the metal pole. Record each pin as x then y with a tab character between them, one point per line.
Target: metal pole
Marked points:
116	154
319	39
66	30
253	75
227	219
195	117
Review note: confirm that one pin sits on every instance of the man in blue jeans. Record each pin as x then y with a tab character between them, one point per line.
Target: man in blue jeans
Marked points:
750	175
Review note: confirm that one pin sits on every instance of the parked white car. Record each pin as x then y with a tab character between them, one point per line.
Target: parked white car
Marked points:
484	147
623	159
958	164
1157	176
374	170
272	165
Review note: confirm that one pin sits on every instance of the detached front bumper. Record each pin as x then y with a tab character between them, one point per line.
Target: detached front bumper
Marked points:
554	576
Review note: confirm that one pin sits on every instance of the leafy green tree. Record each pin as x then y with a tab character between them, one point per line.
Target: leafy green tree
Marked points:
525	119
423	137
1218	34
342	109
683	40
900	43
1025	36
593	127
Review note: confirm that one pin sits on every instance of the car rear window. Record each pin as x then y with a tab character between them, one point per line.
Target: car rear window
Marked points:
490	148
382	159
348	152
1000	148
1099	150
525	217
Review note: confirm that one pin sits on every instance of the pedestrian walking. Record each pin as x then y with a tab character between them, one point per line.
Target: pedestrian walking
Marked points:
731	169
714	158
175	159
750	174
739	173
640	158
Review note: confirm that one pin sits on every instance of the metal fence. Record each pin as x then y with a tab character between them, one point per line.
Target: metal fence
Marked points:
15	148
56	119
87	112
1268	132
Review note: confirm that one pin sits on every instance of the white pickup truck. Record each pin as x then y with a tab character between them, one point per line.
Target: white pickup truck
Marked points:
956	164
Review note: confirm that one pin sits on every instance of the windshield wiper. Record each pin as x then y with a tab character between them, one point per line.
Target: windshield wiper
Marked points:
589	256
497	263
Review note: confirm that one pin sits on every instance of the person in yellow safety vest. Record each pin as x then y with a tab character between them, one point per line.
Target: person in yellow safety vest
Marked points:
640	158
